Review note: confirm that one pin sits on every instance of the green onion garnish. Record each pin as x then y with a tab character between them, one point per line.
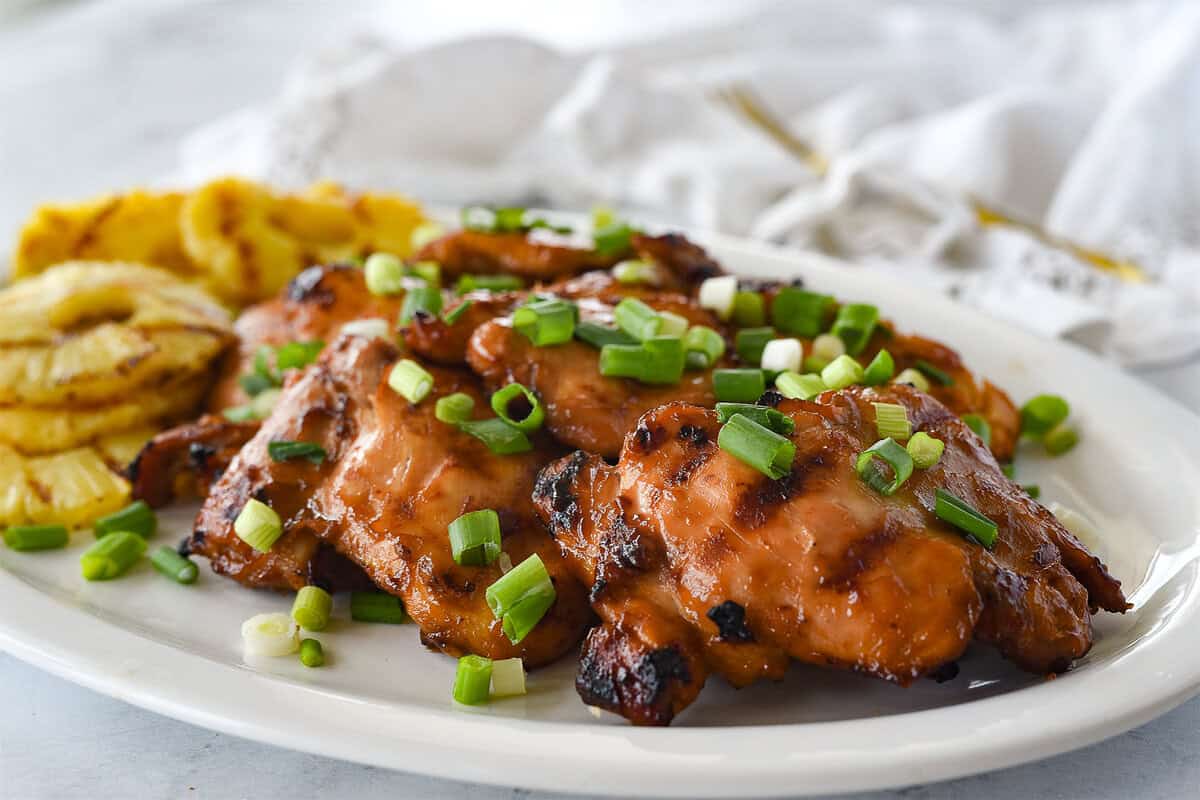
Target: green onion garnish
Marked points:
842	372
503	400
454	408
111	556
891	421
880	370
254	382
297	355
472	680
925	450
509	219
749	310
929	370
546	322
599	335
656	361
672	324
410	380
799	387
637	319
428	271
891	453
264	403
311	653
384	273
488	283
718	295
243	413
635	272
750	342
913	378
1009	469
760	447
286	451
311	608
958	513
454	314
174	566
705	344
28	538
425	233
420	299
1060	439
767	417
782	355
1042	413
800	312
500	437
738	385
1033	490
258	525
475	538
981	427
377	607
137	517
508	677
521	597
854	325
613	239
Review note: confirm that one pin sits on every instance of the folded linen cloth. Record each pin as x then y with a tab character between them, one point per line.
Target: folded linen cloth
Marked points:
1083	120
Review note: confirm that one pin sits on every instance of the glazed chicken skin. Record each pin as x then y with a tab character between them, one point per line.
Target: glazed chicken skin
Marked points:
698	563
393	480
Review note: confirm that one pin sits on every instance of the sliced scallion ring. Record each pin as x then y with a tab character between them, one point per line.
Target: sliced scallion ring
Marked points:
515	394
891	453
760	447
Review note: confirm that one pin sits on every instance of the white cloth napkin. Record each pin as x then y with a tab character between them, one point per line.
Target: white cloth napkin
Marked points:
1084	119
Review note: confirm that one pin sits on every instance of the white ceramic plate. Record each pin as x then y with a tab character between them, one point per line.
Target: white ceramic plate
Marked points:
382	699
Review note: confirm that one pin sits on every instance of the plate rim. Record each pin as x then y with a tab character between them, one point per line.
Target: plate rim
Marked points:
119	662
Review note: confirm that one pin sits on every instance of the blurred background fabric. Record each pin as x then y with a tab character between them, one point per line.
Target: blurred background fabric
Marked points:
1083	121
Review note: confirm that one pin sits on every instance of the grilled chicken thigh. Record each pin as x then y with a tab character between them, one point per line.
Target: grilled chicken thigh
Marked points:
393	480
699	563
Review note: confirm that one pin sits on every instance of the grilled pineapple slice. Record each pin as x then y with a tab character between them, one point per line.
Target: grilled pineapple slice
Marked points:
20	503
71	488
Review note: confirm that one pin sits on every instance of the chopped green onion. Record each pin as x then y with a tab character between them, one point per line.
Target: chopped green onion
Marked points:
503	400
800	312
425	233
454	408
311	608
28	538
634	272
718	295
981	427
672	324
1009	469
827	347
914	378
264	403
891	421
428	271
384	273
410	380
782	355
312	655
258	525
842	372
111	556
454	314
799	387
958	513
420	299
599	335
929	370
243	413
880	370
373	328
760	447
738	385
521	597
1060	439
286	451
273	634
500	437
750	342
509	219
475	538
1033	490
508	677
253	382
488	283
546	322
377	607
767	417
895	456
137	517
705	343
297	355
814	364
854	325
656	361
749	310
603	215
925	450
174	566
1042	413
612	239
637	319
472	680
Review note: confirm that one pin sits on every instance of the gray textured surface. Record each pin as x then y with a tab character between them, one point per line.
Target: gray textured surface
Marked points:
95	96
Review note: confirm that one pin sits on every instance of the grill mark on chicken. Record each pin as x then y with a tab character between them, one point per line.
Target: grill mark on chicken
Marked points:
753	507
861	555
730	619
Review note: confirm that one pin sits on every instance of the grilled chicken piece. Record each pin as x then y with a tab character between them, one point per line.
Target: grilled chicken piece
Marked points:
468	252
315	305
698	563
392	482
185	460
434	339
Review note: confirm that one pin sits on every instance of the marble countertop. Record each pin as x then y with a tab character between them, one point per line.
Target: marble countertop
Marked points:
96	96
